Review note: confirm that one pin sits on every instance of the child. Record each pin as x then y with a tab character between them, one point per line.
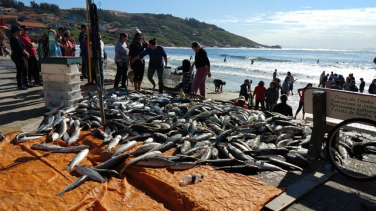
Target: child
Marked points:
260	95
187	75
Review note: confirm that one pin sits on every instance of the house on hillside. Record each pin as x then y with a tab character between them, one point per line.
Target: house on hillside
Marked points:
36	17
37	28
112	31
8	9
54	25
71	17
10	18
48	16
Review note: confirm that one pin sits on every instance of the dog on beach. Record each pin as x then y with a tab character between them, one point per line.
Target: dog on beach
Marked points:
130	77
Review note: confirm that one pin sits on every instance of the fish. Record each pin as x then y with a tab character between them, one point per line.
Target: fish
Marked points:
63	128
73	185
77	159
181	166
154	162
70	149
74	137
91	173
45	147
146	155
115	141
144	148
123	148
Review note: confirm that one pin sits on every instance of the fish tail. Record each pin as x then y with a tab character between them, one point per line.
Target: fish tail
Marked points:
107	150
60	194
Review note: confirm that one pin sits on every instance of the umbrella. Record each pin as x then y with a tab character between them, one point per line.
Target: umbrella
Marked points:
4	27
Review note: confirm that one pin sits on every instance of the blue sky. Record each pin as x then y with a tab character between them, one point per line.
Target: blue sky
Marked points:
320	24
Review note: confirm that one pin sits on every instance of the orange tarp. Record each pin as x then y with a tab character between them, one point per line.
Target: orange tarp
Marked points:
30	179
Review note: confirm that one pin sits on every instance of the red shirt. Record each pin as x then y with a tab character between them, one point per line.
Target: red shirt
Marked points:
65	45
260	92
26	40
302	91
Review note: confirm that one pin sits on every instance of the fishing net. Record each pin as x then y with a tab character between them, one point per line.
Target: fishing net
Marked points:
30	179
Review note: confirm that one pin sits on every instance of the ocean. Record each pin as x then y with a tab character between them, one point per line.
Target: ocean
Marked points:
302	63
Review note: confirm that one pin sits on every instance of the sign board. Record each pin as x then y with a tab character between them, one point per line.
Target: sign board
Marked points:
343	104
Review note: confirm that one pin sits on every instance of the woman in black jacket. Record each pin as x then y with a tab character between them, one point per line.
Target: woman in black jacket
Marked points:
19	55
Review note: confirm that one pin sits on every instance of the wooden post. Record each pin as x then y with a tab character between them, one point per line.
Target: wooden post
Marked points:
319	124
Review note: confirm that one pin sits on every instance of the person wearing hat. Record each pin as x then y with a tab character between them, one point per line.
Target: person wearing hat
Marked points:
33	69
353	87
19	55
241	102
362	85
283	108
337	85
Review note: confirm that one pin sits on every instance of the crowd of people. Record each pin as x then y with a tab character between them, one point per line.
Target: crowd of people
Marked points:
338	81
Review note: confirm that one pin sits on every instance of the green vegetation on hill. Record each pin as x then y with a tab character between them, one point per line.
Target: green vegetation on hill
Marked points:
170	30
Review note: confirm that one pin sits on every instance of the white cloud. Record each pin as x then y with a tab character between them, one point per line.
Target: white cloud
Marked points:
347	28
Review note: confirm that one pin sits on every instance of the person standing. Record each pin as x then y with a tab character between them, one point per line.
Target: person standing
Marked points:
353	87
259	92
322	79
67	47
301	92
83	50
283	108
371	88
156	54
362	85
137	46
33	69
121	60
286	86
347	85
275	74
244	89
337	85
271	96
329	83
202	64
19	55
2	43
291	82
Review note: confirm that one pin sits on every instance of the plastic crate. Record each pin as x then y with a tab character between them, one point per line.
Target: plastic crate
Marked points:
64	87
60	68
55	102
62	95
61	78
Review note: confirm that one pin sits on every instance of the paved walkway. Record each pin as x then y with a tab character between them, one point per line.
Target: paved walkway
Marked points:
19	109
23	110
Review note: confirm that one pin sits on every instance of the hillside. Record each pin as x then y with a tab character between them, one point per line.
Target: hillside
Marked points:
172	31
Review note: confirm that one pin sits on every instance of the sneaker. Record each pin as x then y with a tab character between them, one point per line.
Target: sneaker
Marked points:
22	88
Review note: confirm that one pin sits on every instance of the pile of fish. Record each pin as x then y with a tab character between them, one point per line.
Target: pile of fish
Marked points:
200	132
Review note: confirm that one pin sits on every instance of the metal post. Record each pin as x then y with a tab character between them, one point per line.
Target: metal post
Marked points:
319	124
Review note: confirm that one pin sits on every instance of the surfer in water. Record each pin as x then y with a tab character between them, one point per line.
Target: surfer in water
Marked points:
225	59
252	61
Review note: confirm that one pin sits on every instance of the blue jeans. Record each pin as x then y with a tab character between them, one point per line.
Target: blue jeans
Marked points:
121	74
151	72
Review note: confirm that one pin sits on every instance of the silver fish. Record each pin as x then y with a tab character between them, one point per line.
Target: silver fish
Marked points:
91	173
77	159
146	155
74	136
123	148
113	143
